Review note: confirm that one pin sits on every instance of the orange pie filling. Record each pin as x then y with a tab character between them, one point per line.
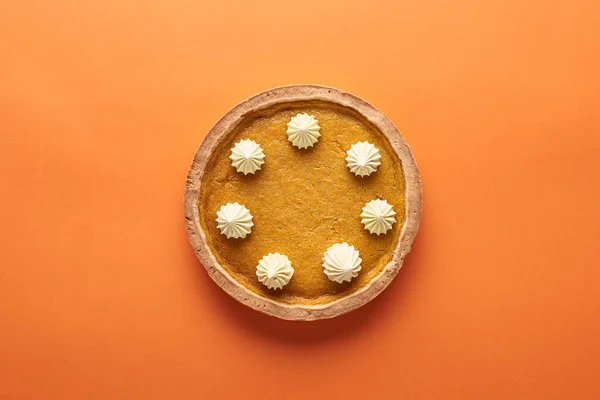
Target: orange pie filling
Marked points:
303	201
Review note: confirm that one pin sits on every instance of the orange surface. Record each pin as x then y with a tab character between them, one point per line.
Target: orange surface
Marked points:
102	105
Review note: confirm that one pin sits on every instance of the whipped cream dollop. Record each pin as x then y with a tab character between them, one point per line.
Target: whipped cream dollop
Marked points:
303	131
341	262
234	220
274	270
378	216
363	158
247	156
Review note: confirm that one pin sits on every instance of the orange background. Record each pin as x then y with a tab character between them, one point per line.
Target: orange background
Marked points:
102	105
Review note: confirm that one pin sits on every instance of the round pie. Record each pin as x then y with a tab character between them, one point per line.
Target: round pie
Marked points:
308	189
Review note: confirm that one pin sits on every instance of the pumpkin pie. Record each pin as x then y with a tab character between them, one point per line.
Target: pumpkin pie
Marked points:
302	202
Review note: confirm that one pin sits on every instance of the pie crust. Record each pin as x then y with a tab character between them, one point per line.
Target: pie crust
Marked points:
266	100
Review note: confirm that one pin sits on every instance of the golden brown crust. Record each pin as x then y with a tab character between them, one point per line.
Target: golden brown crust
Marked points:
268	99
